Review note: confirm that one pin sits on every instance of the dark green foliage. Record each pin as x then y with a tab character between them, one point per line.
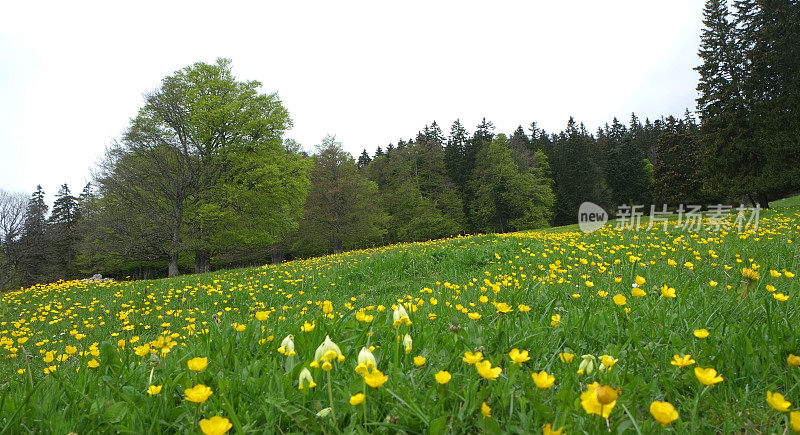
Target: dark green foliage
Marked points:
676	175
33	243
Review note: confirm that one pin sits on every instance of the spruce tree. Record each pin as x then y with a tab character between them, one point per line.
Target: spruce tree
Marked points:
62	231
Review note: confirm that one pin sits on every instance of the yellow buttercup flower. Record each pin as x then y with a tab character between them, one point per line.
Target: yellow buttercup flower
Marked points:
682	361
442	377
375	378
638	292
794	420
486	410
663	412
543	380
780	297
591	403
620	300
566	356
197	364
793	360
503	307
486	370
198	394
707	376
701	333
778	402
357	399
639	280
215	425
154	389
667	291
548	430
555	320
518	357
419	360
472	358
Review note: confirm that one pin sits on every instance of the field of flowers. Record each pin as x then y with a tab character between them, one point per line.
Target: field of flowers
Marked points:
620	331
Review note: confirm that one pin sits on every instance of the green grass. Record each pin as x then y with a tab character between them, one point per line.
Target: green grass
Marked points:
255	387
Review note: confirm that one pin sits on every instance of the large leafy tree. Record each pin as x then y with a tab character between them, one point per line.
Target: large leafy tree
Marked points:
199	137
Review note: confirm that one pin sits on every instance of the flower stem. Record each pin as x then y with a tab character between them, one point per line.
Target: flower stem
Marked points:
330	395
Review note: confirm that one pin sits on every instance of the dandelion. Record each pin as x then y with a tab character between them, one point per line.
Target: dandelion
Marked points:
543	380
663	412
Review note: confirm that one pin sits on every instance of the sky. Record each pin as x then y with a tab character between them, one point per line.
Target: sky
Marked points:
73	74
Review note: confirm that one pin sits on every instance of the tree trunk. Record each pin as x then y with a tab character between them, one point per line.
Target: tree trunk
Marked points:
277	253
173	264
763	201
202	261
337	246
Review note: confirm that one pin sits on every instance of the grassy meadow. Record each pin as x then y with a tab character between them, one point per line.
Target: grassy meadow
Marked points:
618	320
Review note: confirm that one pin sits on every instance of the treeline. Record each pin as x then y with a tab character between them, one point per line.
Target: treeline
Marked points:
203	177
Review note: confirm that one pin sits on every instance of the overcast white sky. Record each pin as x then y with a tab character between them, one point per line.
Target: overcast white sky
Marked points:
372	72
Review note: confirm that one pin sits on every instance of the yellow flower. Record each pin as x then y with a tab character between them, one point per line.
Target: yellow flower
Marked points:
663	412
121	344
474	316
555	320
602	293
523	308
408	343
667	291
780	297
518	356
357	399
566	356
607	361
308	327
639	280
486	410
672	262
774	273
305	379
503	307
215	425
142	350
682	361
375	378
576	295
198	394
794	417
69	350
442	377
326	352
486	370
793	360
707	376
589	284
778	402
788	274
93	363
262	316
154	389
197	364
701	333
327	307
543	380
419	360
548	430
689	265
49	369
472	358
591	403
606	394
287	346
638	292
712	283
750	274
620	300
